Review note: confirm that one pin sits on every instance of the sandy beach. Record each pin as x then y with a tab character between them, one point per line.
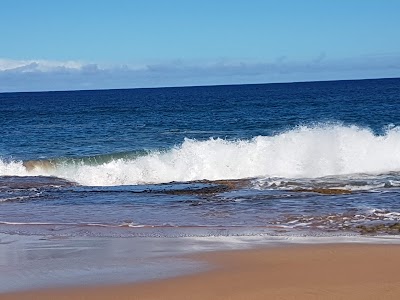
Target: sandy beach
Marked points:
344	271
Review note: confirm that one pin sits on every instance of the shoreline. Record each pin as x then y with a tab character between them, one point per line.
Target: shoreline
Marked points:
335	271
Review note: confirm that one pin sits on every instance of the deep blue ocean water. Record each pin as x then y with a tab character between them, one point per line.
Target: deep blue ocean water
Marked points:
293	158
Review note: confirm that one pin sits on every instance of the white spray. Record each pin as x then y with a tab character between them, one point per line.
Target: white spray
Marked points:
301	152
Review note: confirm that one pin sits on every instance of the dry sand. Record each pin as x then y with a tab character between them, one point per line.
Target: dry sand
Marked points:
298	272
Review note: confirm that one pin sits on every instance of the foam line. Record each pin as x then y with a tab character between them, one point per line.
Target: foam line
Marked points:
307	152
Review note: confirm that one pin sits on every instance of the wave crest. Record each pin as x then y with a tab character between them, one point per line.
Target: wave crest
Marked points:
302	152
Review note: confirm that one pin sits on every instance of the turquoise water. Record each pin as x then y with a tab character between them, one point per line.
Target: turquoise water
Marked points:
200	161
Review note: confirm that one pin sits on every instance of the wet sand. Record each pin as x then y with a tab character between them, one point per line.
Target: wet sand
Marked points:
293	272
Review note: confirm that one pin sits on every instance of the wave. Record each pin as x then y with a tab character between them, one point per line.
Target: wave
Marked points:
303	152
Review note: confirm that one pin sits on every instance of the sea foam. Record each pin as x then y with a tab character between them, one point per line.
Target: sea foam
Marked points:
307	152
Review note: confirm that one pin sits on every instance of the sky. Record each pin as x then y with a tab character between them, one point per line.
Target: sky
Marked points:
94	44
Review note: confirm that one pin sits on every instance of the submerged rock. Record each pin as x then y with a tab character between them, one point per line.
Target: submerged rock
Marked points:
325	191
216	187
392	228
198	191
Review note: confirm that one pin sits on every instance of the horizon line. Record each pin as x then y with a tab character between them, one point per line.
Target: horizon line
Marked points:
197	86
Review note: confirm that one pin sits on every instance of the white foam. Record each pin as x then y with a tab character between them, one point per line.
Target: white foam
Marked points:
13	168
308	152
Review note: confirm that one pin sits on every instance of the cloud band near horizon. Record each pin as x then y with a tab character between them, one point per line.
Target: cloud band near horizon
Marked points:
43	75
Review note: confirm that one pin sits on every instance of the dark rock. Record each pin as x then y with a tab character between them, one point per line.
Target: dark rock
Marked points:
325	191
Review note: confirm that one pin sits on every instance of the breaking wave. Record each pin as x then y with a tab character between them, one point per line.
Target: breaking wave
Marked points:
303	152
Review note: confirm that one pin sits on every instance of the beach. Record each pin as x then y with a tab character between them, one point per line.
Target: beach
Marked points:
199	150
263	191
335	271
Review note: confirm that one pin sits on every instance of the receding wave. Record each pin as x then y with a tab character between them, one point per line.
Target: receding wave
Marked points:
303	152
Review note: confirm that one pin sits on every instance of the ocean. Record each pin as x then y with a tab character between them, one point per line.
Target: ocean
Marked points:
292	159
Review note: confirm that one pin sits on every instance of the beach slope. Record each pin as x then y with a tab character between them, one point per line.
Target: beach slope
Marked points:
294	272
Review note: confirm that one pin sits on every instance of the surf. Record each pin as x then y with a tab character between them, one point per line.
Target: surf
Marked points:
302	152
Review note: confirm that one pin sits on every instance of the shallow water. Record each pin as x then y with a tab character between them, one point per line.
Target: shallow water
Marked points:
193	209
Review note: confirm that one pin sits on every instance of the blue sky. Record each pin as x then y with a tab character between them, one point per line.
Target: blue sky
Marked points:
53	45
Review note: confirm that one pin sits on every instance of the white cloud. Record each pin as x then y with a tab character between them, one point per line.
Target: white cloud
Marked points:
37	65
